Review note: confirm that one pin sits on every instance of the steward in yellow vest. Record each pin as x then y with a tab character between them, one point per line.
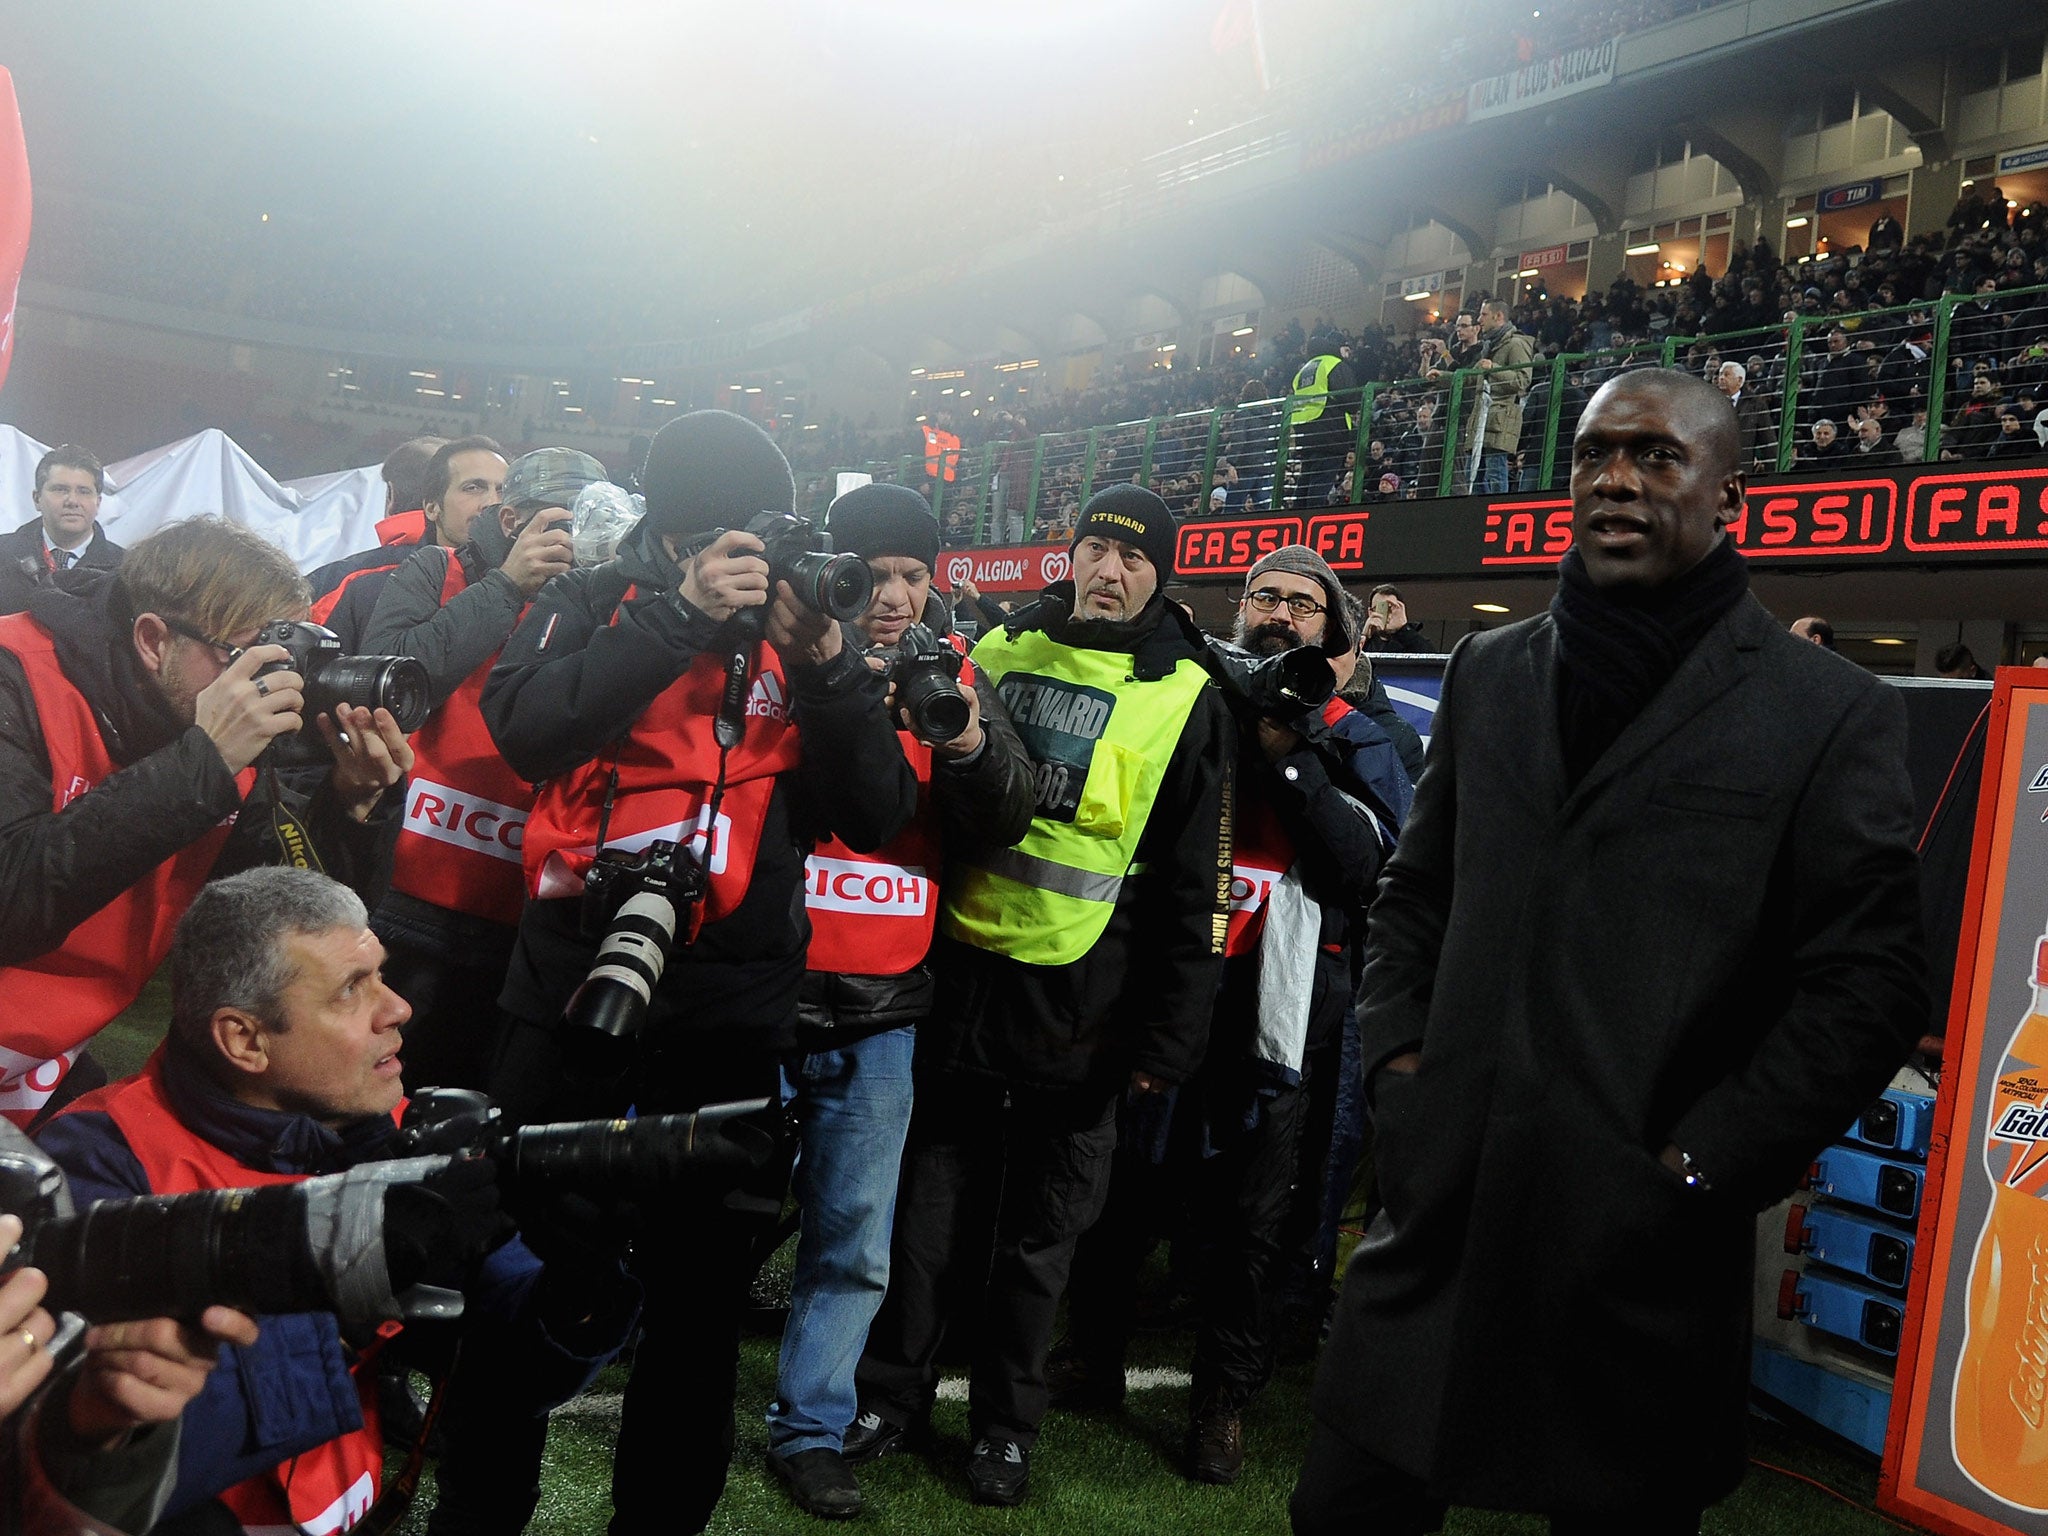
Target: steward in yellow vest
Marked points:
1073	969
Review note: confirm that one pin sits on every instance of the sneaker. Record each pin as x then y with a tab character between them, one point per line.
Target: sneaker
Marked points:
870	1435
998	1472
1075	1384
1215	1449
819	1481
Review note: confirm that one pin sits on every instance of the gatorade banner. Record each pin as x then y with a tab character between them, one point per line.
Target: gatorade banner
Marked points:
14	214
1966	1447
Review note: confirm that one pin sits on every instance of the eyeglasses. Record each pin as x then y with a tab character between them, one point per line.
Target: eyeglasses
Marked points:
1265	600
180	627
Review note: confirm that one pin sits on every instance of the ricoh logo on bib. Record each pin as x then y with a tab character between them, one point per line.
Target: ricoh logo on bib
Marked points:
1251	887
466	820
888	890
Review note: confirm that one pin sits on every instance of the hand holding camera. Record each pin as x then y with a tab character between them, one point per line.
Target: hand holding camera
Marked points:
25	1328
543	551
147	1372
243	713
370	752
727	575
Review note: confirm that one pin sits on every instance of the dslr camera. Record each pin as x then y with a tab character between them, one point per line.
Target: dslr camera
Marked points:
838	586
396	683
639	903
925	672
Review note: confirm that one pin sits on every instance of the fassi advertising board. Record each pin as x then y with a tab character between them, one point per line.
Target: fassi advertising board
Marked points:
1899	517
1020	568
1231	548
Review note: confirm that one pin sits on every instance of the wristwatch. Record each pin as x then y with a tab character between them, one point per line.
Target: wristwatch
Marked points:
1695	1177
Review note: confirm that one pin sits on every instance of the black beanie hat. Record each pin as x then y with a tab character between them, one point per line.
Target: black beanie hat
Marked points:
877	520
1131	515
712	469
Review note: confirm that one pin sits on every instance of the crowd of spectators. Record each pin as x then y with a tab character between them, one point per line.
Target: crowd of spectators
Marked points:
1863	392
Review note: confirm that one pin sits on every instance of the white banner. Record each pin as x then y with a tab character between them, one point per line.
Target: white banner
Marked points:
1546	80
314	520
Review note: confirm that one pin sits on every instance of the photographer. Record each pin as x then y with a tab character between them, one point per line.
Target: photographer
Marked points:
96	1453
462	478
1319	794
282	1062
135	708
611	691
452	913
1077	967
868	985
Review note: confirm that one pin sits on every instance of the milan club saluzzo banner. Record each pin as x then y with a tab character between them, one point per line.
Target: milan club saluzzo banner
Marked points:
1890	518
14	214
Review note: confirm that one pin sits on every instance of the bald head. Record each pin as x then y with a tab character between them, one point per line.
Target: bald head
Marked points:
1698	411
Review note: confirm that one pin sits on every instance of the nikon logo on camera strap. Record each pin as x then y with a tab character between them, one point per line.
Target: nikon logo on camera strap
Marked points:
1060	723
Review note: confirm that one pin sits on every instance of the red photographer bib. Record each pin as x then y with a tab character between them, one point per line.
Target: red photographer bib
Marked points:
53	1004
665	768
872	914
332	1486
465	806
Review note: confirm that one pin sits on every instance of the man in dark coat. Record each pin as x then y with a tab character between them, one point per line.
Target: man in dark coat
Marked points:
64	535
1649	941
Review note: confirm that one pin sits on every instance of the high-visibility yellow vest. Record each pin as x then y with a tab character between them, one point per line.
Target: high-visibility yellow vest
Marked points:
1311	390
1101	742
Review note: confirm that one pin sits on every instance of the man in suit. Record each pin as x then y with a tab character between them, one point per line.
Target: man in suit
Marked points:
1756	433
64	534
1650	940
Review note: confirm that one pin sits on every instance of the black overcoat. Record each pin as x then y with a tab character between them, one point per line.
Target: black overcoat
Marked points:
1713	941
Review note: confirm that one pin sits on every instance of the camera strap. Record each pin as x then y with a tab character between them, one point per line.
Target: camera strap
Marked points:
293	841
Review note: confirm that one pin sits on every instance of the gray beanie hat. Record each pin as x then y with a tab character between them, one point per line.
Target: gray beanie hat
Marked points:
1340	633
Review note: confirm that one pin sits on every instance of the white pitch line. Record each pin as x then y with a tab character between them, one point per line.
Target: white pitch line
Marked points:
1150	1378
604	1406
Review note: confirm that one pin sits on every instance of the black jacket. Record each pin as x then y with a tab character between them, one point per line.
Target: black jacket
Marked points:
450	641
57	868
25	568
1712	940
571	681
1141	997
408	619
987	799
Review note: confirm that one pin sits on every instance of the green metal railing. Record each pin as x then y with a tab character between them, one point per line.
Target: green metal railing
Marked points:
1272	455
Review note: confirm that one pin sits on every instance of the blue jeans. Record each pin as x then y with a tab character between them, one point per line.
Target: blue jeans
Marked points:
1493	473
855	1107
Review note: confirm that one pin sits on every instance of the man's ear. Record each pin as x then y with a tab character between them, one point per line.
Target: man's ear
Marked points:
153	640
1734	491
240	1040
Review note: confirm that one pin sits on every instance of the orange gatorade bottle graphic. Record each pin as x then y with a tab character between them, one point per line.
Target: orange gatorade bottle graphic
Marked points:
2001	1403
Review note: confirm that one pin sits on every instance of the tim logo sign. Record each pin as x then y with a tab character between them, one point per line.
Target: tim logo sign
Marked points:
1018	568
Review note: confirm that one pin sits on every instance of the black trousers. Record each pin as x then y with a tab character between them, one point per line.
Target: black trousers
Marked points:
694	1257
1238	1182
1346	1491
1032	1169
452	1036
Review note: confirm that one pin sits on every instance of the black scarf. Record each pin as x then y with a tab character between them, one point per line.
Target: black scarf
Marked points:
1617	649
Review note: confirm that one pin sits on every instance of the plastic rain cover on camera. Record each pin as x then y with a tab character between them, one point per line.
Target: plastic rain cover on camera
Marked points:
602	515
